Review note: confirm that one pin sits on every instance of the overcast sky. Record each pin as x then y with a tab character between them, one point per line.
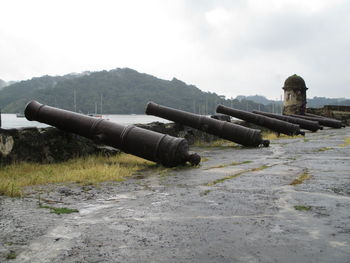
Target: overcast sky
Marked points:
231	47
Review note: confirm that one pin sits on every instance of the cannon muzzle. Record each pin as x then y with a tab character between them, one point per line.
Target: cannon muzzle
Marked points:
165	149
222	129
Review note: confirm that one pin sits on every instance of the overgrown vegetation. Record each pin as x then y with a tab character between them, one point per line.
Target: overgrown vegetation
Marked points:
90	170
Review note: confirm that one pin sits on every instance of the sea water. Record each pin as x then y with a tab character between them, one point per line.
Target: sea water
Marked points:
11	121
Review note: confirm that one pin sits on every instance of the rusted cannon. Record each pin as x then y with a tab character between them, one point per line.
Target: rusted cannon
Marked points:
304	124
270	123
167	150
323	117
314	115
222	129
323	121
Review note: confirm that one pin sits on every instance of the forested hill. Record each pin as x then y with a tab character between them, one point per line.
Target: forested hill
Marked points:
123	91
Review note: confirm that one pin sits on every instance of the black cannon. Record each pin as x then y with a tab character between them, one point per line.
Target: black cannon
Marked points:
304	124
323	121
222	129
314	115
167	150
270	123
323	117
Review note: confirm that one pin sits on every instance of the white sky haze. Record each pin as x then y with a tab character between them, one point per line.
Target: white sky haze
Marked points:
228	47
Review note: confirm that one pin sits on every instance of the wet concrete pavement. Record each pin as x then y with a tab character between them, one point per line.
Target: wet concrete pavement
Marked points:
239	206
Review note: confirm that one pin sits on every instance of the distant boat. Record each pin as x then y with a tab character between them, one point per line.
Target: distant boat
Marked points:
20	115
95	114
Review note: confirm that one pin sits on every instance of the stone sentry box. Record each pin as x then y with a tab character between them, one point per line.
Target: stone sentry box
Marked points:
294	95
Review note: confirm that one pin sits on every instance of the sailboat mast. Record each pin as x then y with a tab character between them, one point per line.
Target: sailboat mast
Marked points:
75	101
101	104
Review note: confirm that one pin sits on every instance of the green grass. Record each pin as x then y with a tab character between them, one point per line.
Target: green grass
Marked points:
221	143
274	136
217	181
259	168
59	210
346	142
206	192
301	178
220	180
229	164
86	171
215	144
11	255
302	208
323	149
166	171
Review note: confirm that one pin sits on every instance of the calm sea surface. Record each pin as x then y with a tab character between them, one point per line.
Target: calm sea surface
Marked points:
11	121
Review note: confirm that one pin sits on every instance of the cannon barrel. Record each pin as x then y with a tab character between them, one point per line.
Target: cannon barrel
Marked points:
323	117
167	150
323	121
316	116
304	124
222	129
270	123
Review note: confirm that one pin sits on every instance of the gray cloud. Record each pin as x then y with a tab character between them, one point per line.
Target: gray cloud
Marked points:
312	44
228	47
